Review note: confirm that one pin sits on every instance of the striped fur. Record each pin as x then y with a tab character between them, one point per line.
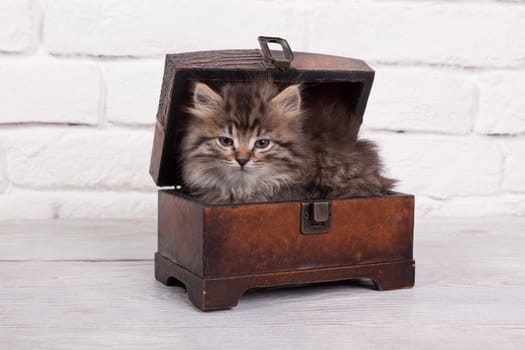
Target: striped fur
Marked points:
327	162
245	113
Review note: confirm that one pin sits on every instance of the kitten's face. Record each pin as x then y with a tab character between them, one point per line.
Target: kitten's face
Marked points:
246	140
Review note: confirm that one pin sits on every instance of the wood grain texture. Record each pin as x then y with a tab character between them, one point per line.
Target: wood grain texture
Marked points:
220	251
468	295
253	60
224	292
263	238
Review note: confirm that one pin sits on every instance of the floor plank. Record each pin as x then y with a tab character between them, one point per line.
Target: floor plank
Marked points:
101	294
78	239
121	299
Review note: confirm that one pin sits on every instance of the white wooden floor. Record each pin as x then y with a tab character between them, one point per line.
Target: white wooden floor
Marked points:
90	285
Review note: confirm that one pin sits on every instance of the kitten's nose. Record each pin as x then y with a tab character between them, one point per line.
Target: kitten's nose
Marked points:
242	161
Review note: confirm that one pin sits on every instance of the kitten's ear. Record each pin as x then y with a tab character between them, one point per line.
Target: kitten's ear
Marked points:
289	100
204	98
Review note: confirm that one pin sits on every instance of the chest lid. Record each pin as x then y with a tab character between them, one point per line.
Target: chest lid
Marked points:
324	78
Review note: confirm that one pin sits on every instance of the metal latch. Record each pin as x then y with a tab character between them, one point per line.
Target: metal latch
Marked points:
316	217
281	63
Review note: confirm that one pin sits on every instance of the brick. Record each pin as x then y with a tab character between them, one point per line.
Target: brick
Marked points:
479	206
80	158
440	166
421	31
149	28
501	103
420	99
514	167
50	92
424	206
17	25
133	91
107	205
26	205
3	167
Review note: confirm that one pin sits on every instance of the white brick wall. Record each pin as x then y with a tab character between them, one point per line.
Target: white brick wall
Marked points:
79	158
444	102
3	175
501	103
146	28
133	91
442	167
470	33
513	167
50	92
17	25
80	81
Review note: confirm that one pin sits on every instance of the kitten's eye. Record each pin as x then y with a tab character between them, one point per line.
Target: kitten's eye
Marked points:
225	141
263	143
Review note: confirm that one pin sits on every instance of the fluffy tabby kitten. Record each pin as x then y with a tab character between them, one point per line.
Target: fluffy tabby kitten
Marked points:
245	144
345	166
252	143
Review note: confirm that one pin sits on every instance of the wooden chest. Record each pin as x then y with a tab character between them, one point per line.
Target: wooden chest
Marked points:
220	251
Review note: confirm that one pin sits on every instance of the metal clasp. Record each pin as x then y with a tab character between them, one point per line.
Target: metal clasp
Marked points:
287	51
316	217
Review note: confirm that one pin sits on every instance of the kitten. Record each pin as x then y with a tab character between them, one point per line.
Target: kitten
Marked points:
252	143
345	166
245	144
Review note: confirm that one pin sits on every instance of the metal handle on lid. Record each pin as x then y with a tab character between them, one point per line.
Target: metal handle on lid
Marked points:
277	63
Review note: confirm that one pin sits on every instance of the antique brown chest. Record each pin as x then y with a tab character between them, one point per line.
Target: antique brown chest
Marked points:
220	251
